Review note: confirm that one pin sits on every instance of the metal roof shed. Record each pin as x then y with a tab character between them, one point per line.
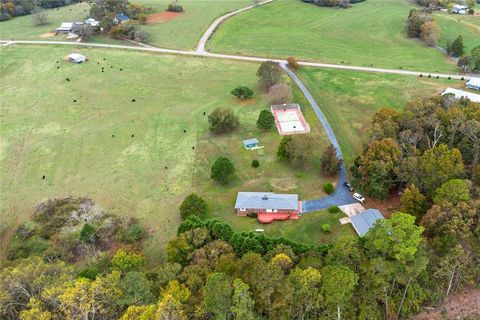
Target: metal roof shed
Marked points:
364	221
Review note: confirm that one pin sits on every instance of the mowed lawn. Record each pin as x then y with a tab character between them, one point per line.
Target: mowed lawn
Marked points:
349	99
132	158
371	33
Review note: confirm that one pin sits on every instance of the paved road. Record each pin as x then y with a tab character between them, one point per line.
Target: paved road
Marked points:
234	57
211	29
341	196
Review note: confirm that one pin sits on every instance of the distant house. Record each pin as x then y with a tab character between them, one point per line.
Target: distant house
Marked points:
76	58
120	18
92	22
474	83
364	221
268	206
251	144
65	27
458	94
459	9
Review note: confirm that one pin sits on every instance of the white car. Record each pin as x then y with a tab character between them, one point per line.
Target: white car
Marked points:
359	197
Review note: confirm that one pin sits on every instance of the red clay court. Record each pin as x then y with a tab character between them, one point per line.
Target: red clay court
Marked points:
289	119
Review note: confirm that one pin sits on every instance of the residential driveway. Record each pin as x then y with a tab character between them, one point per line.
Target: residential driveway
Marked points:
341	196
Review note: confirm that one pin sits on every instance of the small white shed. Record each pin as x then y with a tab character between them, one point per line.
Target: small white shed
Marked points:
76	58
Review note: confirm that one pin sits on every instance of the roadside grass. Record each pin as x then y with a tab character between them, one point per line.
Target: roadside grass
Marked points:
371	33
454	25
349	99
45	133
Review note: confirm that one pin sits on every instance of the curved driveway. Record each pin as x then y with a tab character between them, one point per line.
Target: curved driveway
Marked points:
341	196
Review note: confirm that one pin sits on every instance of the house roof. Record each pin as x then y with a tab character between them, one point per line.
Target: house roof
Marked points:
266	200
121	17
462	94
65	26
364	221
250	141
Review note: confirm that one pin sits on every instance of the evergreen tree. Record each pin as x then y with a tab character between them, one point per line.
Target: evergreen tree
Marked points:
265	120
458	48
222	170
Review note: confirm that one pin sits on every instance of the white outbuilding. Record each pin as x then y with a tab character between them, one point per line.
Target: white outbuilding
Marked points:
473	83
458	94
76	58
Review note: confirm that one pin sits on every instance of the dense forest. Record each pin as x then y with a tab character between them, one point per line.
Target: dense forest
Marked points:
74	260
14	8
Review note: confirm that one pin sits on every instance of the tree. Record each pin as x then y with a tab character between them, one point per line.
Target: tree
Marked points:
217	294
430	33
242	302
452	191
378	168
475	59
127	261
223	120
293	63
458	48
385	124
282	261
415	20
193	204
136	289
337	286
222	170
279	93
296	150
265	120
269	73
170	309
306	297
177	291
139	313
84	31
329	163
413	201
242	92
39	17
88	234
437	166
346	252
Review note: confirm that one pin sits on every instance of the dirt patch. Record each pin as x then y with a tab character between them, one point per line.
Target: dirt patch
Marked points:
459	306
387	206
162	17
47	35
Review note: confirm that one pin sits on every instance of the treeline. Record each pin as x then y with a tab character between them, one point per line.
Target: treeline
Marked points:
333	3
435	4
14	8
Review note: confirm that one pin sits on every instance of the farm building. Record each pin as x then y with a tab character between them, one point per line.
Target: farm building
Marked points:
120	18
65	27
268	206
462	94
76	58
362	222
459	9
251	144
92	22
474	83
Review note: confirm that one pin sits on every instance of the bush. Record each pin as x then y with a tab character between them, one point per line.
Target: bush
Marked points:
88	234
39	17
265	120
174	8
255	163
252	214
326	228
131	233
293	63
193	204
140	36
222	170
223	120
328	188
334	209
242	92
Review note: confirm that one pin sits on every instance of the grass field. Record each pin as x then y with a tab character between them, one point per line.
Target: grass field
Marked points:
182	32
371	33
133	158
349	99
454	25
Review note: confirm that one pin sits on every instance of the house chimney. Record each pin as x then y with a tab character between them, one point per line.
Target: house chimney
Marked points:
264	197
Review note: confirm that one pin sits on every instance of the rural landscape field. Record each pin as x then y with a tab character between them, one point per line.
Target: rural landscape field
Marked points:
239	159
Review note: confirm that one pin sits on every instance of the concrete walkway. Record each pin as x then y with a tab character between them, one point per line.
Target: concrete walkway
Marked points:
341	196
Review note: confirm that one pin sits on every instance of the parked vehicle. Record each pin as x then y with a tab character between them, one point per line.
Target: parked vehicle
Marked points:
348	186
359	197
